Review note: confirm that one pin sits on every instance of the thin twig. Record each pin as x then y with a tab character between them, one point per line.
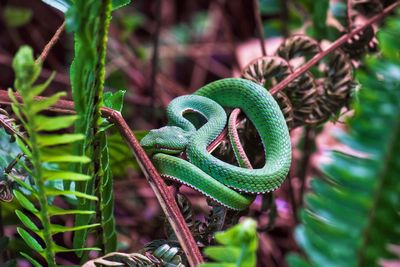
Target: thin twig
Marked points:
161	190
335	45
51	43
260	31
348	14
154	60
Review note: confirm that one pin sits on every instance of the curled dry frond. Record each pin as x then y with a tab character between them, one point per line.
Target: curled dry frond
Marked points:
268	71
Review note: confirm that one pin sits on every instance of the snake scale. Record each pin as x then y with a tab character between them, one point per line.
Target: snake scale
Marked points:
230	185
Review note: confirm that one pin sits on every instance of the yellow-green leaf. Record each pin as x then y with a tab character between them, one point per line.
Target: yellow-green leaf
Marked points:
65	175
45	103
45	123
65	158
61	139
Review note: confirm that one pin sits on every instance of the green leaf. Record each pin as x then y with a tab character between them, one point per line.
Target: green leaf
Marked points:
58	211
56	192
45	103
24	201
62	249
65	158
58	139
32	260
30	240
38	89
240	246
26	221
64	5
54	228
16	16
25	68
119	3
225	254
50	175
45	123
114	100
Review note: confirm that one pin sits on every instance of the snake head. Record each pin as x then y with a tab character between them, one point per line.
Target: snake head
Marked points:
168	140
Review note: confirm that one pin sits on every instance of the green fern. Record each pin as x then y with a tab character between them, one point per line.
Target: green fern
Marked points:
44	150
239	246
352	216
89	20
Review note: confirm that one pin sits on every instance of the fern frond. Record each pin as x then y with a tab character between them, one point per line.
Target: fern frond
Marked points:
353	213
239	245
42	149
89	20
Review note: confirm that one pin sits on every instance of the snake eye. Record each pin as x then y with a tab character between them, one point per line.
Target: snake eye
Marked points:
157	146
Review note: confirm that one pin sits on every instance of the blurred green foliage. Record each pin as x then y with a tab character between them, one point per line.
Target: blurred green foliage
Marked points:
238	246
352	215
16	16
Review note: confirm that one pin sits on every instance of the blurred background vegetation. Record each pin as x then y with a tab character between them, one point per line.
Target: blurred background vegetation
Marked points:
198	42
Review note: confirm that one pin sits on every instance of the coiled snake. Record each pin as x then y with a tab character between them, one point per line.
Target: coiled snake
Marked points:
228	184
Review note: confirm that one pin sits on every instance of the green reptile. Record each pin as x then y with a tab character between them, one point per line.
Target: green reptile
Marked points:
228	184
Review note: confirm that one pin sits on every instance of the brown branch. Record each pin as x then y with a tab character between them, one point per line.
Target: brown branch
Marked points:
335	45
162	192
260	31
51	43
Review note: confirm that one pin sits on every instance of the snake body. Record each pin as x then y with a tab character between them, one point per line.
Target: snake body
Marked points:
228	184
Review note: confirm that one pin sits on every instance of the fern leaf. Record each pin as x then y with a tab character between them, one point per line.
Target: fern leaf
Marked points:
353	213
90	21
239	246
41	149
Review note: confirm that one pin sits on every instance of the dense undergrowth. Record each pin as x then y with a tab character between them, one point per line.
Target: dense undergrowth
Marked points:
56	185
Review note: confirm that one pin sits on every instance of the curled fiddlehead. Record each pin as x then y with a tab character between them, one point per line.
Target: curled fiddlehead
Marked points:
335	88
361	43
302	91
267	71
298	46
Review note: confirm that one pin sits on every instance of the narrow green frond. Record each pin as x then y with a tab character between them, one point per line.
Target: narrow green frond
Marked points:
58	139
32	260
54	211
55	228
38	89
55	192
26	221
46	123
63	249
43	104
51	175
29	240
25	203
65	158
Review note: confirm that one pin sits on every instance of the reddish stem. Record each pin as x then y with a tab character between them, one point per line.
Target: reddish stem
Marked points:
51	43
343	39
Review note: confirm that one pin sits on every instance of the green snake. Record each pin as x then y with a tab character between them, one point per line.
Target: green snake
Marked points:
227	184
